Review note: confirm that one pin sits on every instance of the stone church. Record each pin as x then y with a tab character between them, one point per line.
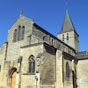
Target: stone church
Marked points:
34	58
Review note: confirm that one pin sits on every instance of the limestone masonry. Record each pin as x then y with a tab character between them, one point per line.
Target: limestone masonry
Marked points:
34	58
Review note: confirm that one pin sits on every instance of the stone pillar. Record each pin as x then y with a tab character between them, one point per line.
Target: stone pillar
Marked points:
17	81
59	68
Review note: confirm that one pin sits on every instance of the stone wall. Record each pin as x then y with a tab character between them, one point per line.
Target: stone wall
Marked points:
48	74
27	79
50	64
3	72
45	66
73	40
14	47
82	73
44	36
67	69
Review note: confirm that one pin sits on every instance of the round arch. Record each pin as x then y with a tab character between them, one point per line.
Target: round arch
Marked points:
31	64
11	71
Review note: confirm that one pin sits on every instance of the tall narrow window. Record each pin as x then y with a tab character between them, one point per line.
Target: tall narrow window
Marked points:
31	68
19	32
67	70
52	42
15	35
63	37
67	36
22	31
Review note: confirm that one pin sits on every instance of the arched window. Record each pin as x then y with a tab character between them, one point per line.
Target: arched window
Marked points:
63	37
22	31
67	36
53	42
31	68
19	33
15	35
67	70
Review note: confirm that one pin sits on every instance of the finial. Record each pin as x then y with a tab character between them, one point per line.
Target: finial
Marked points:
66	11
21	12
66	4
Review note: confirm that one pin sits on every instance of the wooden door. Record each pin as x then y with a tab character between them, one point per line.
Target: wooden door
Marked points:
13	80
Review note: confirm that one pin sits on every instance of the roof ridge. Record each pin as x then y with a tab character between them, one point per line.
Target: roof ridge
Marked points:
67	25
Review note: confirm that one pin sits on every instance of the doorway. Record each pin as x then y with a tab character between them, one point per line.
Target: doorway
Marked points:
12	74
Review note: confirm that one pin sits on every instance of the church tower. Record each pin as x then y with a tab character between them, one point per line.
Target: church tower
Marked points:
68	33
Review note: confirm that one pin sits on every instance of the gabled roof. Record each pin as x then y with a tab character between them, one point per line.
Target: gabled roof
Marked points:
68	24
21	18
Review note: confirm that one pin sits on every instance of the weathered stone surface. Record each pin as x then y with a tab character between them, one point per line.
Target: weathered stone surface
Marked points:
55	64
82	73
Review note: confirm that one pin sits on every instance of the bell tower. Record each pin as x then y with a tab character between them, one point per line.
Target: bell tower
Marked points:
68	33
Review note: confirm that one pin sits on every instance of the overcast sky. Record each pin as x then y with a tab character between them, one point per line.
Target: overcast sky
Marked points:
49	14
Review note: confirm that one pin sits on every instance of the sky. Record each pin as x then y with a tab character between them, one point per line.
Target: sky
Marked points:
49	14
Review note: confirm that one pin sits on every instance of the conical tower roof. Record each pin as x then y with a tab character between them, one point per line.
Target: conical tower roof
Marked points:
67	24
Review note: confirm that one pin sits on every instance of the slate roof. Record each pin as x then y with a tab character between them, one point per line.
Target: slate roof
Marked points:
68	24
